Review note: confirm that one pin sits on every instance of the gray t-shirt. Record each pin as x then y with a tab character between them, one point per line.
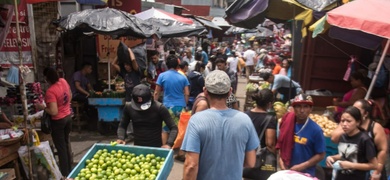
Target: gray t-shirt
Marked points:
221	137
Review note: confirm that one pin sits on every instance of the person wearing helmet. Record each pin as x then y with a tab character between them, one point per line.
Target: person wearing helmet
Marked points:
301	143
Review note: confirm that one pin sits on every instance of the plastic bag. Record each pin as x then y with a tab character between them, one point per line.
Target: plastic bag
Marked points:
290	175
182	127
42	156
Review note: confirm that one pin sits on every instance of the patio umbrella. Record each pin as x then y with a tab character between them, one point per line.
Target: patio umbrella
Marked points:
170	28
108	21
369	16
161	14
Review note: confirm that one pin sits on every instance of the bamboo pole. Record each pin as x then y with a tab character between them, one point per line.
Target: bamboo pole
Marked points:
22	88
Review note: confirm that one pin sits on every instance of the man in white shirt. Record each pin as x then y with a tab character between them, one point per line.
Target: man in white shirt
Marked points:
249	57
232	62
188	56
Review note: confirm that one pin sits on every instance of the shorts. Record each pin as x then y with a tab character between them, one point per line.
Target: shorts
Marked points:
176	110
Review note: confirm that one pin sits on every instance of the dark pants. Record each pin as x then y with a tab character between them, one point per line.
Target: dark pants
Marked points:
60	135
287	93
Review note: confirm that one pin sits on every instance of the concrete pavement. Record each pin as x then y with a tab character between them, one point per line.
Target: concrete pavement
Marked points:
82	142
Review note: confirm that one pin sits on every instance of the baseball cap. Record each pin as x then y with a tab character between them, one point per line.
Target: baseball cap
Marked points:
141	97
217	82
302	99
199	48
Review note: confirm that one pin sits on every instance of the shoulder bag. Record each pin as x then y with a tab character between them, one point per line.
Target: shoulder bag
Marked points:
265	159
45	123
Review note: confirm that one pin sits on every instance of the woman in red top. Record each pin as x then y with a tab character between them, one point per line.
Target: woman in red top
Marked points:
57	99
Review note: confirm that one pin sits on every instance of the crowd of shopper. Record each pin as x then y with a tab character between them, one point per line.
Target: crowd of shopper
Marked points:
220	141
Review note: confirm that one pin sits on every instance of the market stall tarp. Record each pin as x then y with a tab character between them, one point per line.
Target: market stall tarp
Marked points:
205	22
316	5
108	21
161	14
247	14
170	28
369	16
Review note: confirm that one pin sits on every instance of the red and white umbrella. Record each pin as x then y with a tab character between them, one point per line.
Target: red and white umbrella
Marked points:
161	14
369	16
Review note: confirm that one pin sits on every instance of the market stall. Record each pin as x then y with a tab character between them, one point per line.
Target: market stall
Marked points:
109	105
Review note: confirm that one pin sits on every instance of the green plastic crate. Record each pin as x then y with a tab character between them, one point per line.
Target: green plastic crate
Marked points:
137	150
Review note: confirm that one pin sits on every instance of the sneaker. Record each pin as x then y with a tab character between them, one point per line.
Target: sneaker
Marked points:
181	158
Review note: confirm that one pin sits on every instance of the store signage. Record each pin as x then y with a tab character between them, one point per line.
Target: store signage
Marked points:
10	50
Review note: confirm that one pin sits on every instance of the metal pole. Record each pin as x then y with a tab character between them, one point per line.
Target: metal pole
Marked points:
22	88
377	70
109	64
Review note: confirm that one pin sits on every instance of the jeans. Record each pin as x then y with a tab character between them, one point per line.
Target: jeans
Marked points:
60	134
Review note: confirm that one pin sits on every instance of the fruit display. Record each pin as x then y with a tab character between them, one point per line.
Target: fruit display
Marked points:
327	125
121	164
280	109
251	87
108	94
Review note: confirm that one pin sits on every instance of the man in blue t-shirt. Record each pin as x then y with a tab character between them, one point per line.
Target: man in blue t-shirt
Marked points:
219	141
176	89
283	85
308	139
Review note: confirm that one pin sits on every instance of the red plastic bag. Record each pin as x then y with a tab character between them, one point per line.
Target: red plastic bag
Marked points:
182	126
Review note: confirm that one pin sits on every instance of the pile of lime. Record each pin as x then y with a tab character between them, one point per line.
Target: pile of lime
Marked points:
121	165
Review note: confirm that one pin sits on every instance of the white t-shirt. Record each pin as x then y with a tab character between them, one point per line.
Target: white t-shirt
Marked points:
232	61
249	55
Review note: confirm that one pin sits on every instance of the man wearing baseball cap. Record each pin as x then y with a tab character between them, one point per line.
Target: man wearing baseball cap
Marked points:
219	141
301	142
146	115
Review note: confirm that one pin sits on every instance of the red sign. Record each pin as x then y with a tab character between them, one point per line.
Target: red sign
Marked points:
10	51
130	6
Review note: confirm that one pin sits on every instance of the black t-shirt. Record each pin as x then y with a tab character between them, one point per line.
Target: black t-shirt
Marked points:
358	148
131	79
259	123
147	125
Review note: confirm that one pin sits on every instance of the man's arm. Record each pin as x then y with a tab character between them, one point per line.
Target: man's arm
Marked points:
186	93
381	144
191	166
115	65
121	132
133	61
309	163
250	159
157	92
80	89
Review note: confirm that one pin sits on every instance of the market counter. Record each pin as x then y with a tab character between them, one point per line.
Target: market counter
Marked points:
9	153
109	112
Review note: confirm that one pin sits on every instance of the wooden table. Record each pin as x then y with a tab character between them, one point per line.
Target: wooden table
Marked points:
14	159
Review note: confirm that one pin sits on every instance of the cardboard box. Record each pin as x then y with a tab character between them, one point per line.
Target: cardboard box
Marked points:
11	174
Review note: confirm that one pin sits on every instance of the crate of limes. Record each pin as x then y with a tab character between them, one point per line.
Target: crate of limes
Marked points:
105	161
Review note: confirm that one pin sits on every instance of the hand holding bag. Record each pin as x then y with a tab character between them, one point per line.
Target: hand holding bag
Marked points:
265	160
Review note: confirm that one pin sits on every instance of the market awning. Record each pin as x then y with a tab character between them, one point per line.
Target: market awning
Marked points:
208	23
221	22
161	14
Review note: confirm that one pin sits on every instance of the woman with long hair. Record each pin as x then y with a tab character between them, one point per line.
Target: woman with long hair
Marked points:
375	131
57	99
264	100
358	82
356	150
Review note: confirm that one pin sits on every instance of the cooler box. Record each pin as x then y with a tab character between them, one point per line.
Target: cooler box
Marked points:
331	149
137	150
109	109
